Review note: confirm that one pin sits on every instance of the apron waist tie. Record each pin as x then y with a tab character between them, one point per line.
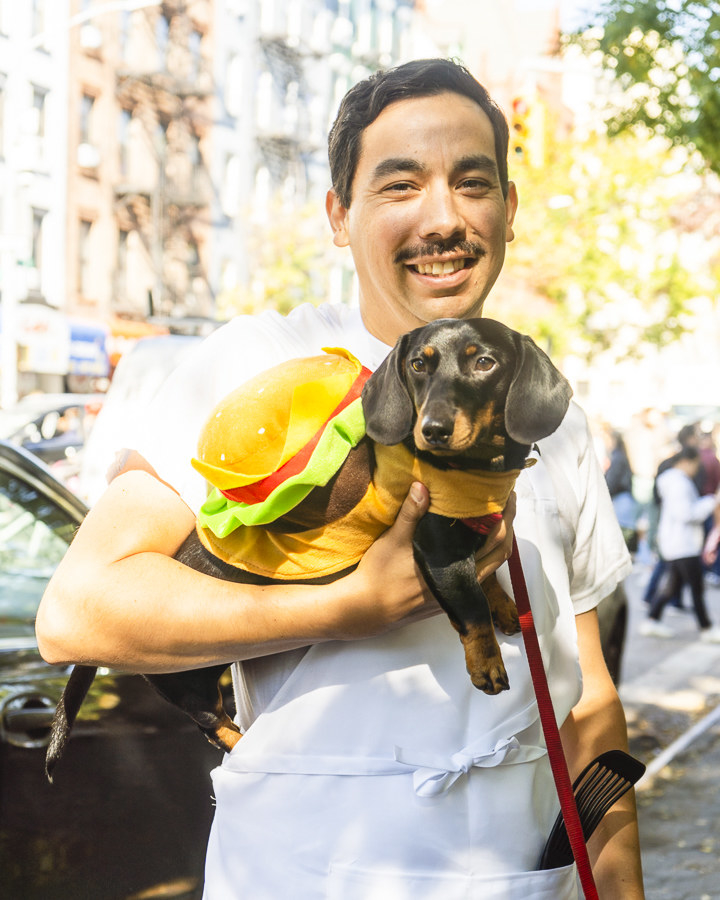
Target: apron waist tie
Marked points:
435	773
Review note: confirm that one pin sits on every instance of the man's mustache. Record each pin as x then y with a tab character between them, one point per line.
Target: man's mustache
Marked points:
440	248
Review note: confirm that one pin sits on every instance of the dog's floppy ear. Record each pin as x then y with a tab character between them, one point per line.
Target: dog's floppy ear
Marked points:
538	397
388	407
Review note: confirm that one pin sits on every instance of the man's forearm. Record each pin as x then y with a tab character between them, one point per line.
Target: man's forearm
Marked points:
595	725
119	599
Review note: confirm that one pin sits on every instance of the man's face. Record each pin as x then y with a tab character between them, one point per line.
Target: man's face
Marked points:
428	223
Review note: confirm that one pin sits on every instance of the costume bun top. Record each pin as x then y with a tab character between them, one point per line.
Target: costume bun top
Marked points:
259	427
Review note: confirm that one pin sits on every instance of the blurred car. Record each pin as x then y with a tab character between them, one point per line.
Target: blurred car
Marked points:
54	427
130	809
137	379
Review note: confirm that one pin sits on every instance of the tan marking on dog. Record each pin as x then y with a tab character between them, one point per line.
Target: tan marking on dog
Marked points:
428	351
483	659
503	609
226	738
467	431
471	350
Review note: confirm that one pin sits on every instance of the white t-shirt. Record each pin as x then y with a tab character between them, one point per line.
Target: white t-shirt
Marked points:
384	765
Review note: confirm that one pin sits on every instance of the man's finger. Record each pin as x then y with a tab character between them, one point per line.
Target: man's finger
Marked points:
414	507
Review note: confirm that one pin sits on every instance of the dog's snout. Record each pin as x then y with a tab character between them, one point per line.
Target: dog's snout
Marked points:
436	432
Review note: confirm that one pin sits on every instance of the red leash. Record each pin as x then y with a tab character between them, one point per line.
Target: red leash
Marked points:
549	724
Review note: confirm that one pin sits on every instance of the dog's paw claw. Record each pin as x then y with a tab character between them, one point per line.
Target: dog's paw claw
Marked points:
491	681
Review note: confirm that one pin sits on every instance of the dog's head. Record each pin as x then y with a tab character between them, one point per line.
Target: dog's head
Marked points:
462	388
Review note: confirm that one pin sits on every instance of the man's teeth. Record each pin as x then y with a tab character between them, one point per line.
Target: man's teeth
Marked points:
441	268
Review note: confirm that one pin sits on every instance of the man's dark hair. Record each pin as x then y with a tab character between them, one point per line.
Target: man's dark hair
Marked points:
687	434
688	453
364	102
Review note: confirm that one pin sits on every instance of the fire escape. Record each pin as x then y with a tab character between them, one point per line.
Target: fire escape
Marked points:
165	195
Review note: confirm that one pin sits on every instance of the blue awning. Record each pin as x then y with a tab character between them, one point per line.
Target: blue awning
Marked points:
88	349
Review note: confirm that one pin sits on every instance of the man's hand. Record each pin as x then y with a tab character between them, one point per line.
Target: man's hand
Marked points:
498	545
387	589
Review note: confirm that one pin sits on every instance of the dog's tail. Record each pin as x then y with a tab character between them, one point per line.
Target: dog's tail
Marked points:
72	698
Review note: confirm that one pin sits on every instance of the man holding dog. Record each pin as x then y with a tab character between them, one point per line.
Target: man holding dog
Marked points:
370	766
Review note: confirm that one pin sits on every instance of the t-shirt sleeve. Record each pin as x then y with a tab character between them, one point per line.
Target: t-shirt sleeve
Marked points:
174	420
236	352
598	558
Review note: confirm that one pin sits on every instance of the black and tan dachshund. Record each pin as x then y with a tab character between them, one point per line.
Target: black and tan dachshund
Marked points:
460	394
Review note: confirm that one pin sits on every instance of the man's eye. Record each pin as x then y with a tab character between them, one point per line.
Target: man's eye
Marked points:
475	184
484	364
417	365
400	187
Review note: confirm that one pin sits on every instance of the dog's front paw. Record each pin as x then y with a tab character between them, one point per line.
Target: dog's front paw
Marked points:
484	661
491	680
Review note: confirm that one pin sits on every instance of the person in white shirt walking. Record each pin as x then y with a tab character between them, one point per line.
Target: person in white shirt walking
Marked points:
680	542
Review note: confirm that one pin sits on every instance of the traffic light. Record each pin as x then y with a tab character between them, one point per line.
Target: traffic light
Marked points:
528	125
519	131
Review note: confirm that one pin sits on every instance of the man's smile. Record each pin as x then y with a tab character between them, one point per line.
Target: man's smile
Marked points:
442	266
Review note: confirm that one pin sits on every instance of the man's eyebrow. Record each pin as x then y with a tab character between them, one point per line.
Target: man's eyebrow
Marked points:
480	162
396	164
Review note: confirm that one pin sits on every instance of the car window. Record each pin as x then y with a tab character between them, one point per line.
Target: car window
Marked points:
34	535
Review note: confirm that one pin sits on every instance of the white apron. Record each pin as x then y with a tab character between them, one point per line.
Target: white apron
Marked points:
378	772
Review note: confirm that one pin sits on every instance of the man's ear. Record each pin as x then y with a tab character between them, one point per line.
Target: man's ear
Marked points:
337	215
511	205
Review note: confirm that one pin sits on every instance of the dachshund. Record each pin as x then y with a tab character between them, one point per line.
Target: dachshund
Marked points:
461	397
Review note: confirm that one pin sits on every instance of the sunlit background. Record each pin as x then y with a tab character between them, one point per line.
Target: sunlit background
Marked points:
163	168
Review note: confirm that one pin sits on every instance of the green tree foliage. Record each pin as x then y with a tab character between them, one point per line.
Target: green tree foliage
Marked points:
666	57
288	264
597	245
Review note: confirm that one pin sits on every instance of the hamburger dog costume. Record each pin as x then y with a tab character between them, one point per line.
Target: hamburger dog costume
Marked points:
272	441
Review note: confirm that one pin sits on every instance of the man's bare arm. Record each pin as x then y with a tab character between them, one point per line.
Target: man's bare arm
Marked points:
597	724
119	599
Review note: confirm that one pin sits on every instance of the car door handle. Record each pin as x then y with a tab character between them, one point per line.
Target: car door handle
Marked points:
29	719
26	719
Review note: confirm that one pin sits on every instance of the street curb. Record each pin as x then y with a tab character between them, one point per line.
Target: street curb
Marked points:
677	746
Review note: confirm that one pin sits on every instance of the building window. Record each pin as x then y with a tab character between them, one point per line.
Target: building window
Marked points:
87	102
195	154
124	140
38	17
84	258
125	33
234	95
122	264
2	117
39	96
38	216
162	40
195	54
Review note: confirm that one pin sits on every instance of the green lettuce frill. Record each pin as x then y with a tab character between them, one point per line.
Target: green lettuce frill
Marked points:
222	516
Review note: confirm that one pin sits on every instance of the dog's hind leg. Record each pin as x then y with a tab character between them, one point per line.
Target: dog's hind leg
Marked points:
445	551
198	694
503	609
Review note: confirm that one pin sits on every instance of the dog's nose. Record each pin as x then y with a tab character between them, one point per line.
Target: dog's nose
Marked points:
435	432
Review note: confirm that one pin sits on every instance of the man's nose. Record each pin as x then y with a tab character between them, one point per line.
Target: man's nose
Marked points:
441	217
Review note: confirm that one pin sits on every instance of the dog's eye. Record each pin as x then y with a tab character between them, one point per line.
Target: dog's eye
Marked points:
417	365
484	363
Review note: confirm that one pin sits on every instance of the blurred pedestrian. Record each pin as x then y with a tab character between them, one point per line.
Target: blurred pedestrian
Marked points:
710	464
619	478
711	484
680	542
686	437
